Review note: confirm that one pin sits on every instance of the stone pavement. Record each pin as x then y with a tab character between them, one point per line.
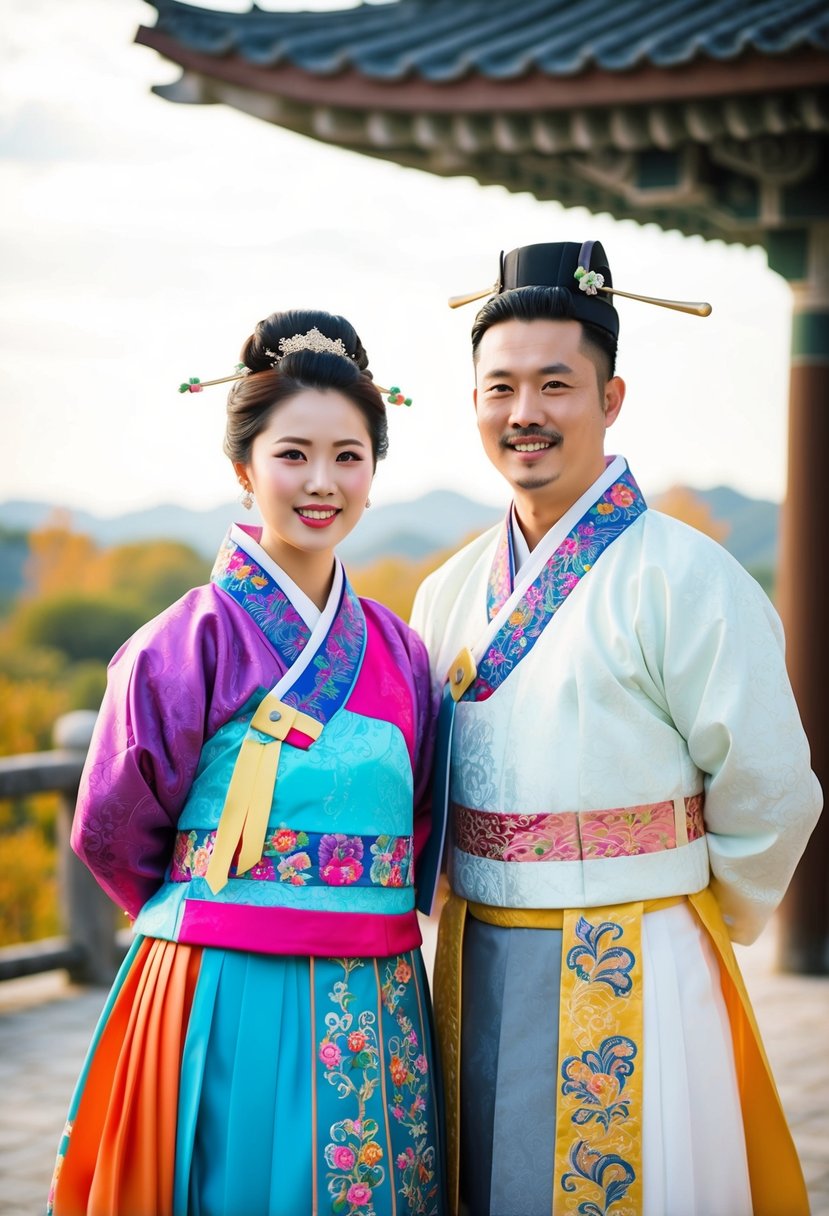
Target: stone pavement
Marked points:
45	1026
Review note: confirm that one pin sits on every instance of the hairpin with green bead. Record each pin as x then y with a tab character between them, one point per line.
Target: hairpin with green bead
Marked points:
195	385
395	397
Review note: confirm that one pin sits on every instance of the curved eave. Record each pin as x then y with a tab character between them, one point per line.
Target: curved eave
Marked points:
476	94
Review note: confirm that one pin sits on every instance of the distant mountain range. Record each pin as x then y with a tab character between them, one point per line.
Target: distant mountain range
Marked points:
438	520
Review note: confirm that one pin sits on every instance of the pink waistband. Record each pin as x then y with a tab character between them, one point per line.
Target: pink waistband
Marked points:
579	835
278	930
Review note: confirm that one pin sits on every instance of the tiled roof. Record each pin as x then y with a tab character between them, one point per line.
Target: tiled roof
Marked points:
709	116
441	41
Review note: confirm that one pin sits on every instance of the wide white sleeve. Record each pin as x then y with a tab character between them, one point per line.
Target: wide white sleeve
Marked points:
726	688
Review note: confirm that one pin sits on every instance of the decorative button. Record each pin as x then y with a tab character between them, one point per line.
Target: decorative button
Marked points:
275	715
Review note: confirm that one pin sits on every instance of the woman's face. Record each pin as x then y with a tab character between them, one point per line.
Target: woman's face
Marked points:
310	469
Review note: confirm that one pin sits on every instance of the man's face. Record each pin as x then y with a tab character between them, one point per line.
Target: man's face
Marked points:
543	410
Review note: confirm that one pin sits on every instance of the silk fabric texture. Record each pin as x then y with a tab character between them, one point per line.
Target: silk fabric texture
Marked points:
668	681
332	1056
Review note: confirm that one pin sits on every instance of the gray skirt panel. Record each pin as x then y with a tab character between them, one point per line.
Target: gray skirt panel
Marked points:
509	1067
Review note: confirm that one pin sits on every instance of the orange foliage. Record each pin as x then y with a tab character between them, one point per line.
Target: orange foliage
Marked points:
59	558
683	504
149	573
28	711
28	888
393	581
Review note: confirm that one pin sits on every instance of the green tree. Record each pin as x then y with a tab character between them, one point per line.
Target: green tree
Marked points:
79	626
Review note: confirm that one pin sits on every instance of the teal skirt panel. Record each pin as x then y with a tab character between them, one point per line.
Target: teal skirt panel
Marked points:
308	1085
259	1085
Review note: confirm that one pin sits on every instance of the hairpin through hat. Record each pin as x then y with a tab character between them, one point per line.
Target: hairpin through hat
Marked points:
556	264
591	282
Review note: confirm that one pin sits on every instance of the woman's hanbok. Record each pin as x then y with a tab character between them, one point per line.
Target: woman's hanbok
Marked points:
266	1049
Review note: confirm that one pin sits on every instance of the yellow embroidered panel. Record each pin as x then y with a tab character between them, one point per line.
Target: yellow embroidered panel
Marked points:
598	1154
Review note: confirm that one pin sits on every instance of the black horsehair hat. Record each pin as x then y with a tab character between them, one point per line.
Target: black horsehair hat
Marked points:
582	270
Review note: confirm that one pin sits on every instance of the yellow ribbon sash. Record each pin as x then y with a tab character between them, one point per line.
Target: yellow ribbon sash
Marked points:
250	794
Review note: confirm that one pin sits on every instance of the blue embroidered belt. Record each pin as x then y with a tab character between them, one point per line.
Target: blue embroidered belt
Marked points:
306	859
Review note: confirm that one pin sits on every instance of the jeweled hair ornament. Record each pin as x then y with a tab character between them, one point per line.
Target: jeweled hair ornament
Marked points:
313	340
558	264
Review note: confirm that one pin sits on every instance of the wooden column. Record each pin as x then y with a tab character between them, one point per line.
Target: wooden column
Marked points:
803	590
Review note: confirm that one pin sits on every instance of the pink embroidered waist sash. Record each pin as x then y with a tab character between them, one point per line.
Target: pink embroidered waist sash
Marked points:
579	835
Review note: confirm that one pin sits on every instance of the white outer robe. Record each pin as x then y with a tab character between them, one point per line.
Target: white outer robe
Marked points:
661	675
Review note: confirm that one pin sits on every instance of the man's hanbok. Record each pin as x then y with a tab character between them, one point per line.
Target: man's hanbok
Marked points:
628	788
248	797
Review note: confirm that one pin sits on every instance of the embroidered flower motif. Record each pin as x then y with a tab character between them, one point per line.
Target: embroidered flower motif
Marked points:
359	1194
371	1153
291	856
284	840
399	1071
322	687
339	859
610	1173
263	871
290	869
598	964
343	1157
606	519
201	858
621	495
181	855
597	1079
330	1054
402	972
356	1152
392	859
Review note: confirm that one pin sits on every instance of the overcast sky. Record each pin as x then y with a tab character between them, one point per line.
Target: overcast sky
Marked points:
141	241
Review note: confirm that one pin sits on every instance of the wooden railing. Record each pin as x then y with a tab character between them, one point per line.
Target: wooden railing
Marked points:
91	948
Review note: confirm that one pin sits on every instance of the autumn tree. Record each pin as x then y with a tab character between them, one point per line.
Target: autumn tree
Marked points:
682	503
58	557
152	574
393	581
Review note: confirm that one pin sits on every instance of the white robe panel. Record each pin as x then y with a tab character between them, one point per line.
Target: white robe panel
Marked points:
661	675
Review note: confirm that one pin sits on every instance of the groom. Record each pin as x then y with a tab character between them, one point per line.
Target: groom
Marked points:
628	790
